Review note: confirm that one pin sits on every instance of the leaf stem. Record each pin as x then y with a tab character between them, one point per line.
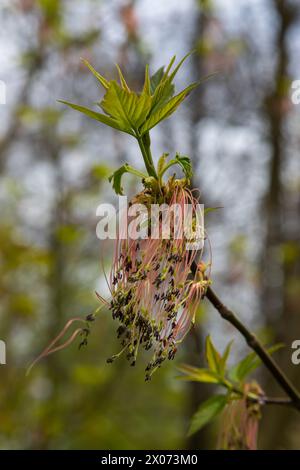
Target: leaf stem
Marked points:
144	144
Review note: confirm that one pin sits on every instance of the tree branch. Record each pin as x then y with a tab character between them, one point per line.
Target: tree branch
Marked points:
255	344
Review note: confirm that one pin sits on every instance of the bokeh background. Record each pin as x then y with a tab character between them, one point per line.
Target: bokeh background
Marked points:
242	131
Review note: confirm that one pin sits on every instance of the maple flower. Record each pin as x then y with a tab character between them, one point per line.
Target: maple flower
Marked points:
154	295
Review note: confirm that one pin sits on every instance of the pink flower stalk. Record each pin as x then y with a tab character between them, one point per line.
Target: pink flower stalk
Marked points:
239	429
155	297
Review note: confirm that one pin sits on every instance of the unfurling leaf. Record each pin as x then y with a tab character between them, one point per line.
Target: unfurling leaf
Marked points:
182	160
207	411
162	163
185	164
116	177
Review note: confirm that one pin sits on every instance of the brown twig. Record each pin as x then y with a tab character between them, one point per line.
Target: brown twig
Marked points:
255	344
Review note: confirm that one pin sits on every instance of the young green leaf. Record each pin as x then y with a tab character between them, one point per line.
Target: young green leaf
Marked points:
161	164
206	412
109	121
211	209
127	108
195	374
165	90
122	80
102	80
147	82
182	160
213	357
225	356
172	76
116	177
164	111
248	364
185	163
155	79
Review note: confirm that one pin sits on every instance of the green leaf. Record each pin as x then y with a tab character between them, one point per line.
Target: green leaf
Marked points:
127	108
182	160
225	356
163	93
109	121
195	374
161	164
147	82
102	80
135	113
172	76
116	177
185	163
206	412
213	357
165	90
155	79
248	364
167	109
122	79
211	209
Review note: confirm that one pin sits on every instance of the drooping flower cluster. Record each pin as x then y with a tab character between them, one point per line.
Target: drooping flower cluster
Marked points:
239	426
155	295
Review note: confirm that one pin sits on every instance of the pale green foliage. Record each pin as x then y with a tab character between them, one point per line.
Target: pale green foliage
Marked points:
217	373
117	176
208	410
137	113
182	160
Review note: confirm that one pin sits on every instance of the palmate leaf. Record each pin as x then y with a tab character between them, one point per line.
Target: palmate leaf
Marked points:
207	411
135	113
126	108
109	121
166	110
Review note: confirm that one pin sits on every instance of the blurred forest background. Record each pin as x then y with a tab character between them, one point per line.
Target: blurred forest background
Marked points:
242	132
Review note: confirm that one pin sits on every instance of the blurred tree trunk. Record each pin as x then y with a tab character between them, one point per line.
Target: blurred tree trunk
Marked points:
278	303
197	392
